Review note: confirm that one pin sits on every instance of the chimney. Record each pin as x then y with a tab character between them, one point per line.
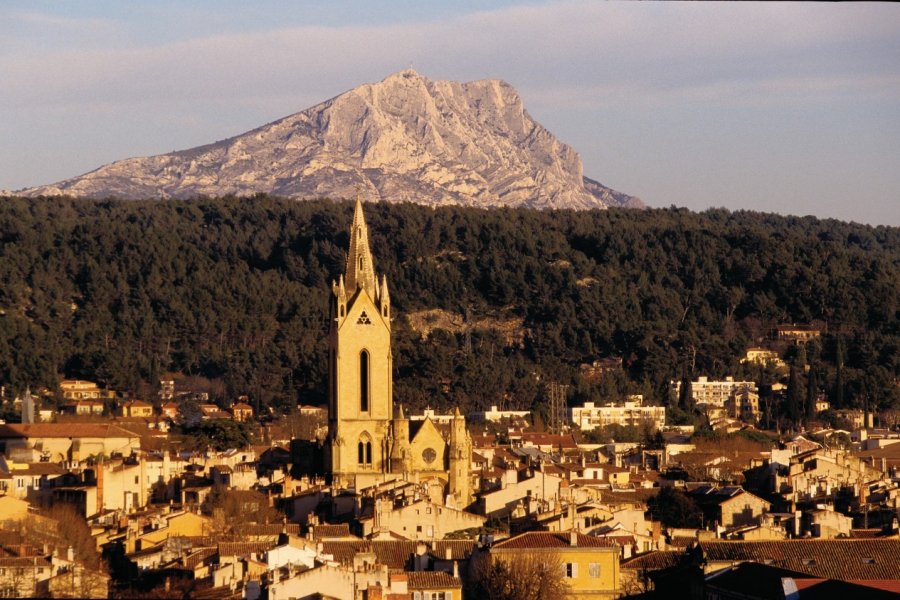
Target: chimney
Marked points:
448	553
100	486
70	554
456	569
573	538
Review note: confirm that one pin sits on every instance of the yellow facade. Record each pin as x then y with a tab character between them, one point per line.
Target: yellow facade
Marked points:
360	387
368	442
589	565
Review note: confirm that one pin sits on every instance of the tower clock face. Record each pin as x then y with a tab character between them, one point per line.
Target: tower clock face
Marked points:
428	455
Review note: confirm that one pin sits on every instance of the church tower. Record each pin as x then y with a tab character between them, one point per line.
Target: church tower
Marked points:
459	486
360	389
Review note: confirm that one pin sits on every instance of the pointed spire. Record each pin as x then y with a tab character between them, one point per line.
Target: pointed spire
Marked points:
385	297
360	270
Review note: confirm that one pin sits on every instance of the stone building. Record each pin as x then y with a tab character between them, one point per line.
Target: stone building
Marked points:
369	441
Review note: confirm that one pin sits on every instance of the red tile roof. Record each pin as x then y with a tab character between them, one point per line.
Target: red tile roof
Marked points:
654	561
63	430
432	580
829	559
553	539
341	530
244	548
394	554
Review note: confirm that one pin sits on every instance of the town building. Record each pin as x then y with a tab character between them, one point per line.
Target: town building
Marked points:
630	413
713	393
137	408
590	564
76	389
369	439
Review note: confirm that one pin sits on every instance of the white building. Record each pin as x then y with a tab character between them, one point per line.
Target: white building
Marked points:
632	412
495	416
714	393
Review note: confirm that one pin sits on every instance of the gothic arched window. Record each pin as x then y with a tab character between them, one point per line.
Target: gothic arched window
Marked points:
364	381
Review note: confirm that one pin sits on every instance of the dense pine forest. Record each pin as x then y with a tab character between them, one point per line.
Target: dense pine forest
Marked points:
232	294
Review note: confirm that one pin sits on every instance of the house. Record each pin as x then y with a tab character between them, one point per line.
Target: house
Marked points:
743	404
26	480
74	389
433	585
590	565
418	520
57	442
827	523
24	576
137	408
170	410
729	506
83	408
242	411
762	356
798	334
540	488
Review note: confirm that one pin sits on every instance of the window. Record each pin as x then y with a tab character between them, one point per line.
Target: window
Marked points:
594	569
364	380
363	319
570	570
364	451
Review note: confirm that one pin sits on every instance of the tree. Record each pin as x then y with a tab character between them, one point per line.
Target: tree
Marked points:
812	391
793	397
516	577
837	396
675	509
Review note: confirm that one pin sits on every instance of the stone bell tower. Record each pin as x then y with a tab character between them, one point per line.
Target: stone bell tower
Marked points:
360	388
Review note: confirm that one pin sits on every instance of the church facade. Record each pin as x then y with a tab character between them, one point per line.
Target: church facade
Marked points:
369	439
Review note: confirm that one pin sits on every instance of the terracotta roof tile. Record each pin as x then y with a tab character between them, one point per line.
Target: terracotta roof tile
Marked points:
553	539
244	548
393	553
654	561
341	530
830	559
431	580
63	430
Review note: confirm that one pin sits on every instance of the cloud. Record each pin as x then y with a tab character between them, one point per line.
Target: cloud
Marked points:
81	82
650	48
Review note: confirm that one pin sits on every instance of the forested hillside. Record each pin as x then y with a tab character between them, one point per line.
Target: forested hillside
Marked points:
235	291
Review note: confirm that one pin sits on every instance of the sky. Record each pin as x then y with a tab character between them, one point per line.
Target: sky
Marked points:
777	107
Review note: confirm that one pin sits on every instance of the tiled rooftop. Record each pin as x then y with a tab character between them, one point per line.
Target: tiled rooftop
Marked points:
830	559
553	539
431	580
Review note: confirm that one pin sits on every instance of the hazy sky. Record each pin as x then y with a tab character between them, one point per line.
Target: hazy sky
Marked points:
791	108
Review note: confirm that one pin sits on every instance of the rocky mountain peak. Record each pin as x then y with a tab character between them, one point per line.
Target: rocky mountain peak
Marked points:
405	138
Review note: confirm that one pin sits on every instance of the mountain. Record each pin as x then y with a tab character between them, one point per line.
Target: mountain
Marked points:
406	138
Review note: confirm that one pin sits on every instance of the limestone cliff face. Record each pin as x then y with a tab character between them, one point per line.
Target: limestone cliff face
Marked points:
406	138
